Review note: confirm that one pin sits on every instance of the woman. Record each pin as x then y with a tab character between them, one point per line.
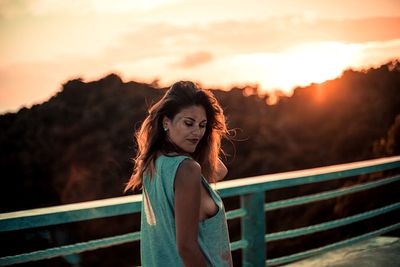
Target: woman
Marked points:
183	219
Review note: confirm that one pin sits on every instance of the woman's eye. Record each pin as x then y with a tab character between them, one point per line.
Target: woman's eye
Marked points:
190	124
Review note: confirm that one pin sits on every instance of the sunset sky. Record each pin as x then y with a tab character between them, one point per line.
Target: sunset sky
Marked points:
275	44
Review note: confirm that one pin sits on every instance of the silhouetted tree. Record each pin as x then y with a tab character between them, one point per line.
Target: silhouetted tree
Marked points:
78	145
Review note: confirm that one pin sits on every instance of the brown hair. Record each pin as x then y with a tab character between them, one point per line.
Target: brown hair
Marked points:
151	137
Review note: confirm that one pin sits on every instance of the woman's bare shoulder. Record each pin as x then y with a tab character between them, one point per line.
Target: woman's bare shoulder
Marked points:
189	166
188	173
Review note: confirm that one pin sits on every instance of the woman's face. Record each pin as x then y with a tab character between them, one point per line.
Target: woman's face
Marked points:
187	127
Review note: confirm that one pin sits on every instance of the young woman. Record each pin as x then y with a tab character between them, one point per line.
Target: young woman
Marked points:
183	219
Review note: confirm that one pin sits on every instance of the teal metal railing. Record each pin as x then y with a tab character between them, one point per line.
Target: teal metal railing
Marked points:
252	213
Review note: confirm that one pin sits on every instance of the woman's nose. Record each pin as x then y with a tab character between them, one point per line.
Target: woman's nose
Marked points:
197	130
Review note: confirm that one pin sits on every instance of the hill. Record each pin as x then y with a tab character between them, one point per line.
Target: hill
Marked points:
78	145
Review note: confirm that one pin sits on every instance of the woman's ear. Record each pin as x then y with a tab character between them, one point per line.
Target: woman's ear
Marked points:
165	123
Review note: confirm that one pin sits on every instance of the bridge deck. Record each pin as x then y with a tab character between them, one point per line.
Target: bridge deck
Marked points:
381	251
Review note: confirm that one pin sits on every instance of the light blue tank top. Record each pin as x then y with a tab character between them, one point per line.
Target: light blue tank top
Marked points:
158	236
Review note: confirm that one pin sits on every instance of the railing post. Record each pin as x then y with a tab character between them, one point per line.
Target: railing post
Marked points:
253	229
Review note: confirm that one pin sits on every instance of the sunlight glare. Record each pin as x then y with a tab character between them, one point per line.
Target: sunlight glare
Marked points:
318	62
298	66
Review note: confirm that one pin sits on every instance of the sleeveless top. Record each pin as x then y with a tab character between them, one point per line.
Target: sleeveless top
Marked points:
158	236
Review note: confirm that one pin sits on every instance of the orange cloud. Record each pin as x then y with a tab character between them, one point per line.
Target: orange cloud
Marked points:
234	37
195	59
147	51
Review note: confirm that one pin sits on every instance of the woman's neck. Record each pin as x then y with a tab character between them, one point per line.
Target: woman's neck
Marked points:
169	148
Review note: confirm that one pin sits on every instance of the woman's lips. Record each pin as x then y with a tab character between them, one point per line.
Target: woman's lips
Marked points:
193	141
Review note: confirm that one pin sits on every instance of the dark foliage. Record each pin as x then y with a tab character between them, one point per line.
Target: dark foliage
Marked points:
78	145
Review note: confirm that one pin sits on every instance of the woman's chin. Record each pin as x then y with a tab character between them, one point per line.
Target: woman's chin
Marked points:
189	149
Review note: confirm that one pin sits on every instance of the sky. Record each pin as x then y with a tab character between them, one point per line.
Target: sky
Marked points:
275	45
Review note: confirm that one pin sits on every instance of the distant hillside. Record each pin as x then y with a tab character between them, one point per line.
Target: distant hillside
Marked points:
78	146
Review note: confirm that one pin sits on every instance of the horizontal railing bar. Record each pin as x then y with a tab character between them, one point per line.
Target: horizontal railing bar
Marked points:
232	214
329	194
340	244
287	179
70	249
330	224
86	246
240	244
26	219
131	204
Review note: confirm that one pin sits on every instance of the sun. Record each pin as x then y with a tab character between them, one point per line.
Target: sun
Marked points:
318	62
299	65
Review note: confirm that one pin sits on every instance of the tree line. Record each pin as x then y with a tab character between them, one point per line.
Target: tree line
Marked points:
79	145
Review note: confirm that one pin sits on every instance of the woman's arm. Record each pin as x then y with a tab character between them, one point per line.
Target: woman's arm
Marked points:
187	207
221	170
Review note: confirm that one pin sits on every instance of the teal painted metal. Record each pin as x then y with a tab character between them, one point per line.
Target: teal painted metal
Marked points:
233	214
131	204
326	195
331	224
253	229
263	183
70	249
69	213
251	213
340	244
240	244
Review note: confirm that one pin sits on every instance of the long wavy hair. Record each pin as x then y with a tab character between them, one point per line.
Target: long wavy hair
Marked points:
151	137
